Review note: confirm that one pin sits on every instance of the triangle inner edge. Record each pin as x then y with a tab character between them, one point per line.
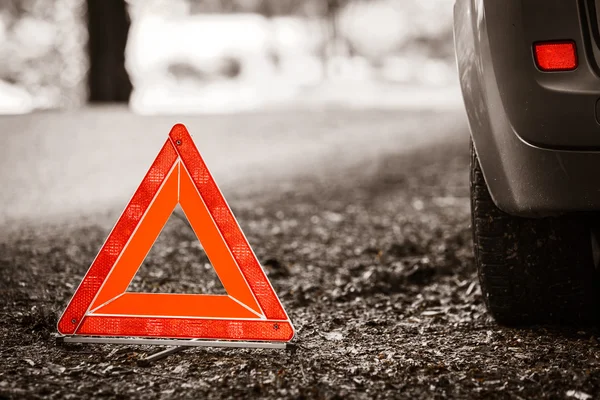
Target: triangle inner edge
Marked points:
113	297
177	263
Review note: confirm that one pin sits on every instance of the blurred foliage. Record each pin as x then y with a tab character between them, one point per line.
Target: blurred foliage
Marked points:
370	28
267	7
43	49
425	25
43	44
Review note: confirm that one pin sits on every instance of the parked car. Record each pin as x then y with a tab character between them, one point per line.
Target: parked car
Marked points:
530	78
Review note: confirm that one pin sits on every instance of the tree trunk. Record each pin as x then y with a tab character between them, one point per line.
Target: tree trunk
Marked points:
108	25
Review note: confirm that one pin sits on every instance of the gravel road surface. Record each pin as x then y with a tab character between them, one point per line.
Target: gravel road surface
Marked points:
361	220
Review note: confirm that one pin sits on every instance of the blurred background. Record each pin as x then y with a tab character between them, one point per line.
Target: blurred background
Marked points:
271	90
222	56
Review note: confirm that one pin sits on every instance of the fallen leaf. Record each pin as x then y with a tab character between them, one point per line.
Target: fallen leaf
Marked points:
578	395
333	336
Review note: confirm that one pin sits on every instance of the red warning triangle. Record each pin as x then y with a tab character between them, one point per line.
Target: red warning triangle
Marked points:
102	306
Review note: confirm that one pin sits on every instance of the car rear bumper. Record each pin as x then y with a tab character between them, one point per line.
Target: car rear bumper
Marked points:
537	138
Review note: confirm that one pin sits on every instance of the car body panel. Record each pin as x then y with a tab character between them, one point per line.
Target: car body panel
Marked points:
530	169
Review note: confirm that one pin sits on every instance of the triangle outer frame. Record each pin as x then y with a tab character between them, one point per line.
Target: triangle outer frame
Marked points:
102	307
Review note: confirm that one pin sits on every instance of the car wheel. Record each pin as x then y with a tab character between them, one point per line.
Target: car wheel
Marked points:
532	270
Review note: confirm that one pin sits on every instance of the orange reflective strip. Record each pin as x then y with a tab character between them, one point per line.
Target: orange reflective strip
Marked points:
226	223
175	305
117	239
136	250
215	247
189	328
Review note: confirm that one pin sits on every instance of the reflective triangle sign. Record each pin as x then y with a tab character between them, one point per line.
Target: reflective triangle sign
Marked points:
102	306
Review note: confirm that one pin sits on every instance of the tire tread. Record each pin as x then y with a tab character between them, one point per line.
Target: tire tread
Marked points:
531	270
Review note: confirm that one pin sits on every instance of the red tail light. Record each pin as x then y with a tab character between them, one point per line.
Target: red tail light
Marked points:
555	56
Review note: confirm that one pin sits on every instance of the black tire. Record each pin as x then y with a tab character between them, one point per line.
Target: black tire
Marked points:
532	270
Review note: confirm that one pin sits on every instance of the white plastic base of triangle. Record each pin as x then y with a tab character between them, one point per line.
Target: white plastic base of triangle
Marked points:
172	342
